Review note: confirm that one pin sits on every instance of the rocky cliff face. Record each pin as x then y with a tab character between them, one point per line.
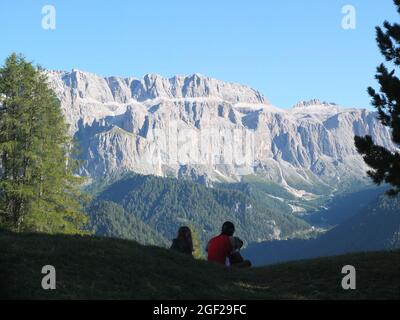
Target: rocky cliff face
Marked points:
211	130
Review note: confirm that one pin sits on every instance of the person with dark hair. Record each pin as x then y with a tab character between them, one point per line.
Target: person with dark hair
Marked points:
183	242
235	258
224	249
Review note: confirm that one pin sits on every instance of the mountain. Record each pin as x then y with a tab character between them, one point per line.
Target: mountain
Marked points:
376	227
98	268
209	131
342	207
165	204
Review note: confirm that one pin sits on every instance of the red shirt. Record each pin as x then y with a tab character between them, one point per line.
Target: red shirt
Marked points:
219	248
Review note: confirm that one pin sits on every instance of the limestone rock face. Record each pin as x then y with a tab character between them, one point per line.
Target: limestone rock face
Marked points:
209	130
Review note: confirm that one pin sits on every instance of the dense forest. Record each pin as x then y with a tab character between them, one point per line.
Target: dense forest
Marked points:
164	204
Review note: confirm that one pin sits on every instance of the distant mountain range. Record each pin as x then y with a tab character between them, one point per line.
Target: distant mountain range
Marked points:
210	131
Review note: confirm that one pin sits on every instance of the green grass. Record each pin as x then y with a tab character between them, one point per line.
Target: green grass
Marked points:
105	268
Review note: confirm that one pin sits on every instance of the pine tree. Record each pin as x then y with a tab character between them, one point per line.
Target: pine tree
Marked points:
385	164
38	190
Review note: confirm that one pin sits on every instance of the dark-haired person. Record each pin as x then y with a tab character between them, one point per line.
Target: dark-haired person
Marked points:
235	258
183	242
223	248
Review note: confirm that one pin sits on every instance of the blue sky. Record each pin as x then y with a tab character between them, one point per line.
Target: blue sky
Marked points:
290	50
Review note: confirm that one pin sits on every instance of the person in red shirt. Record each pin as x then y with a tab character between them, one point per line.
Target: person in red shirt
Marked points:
221	248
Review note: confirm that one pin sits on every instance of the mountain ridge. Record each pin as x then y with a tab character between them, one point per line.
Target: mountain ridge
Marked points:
127	124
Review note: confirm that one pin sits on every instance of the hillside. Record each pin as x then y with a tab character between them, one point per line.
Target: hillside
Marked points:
342	207
91	267
375	227
109	219
165	204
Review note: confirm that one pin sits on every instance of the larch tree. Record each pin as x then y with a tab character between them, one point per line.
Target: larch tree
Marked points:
38	188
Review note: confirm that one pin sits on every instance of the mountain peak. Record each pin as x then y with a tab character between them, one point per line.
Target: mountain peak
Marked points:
313	103
197	75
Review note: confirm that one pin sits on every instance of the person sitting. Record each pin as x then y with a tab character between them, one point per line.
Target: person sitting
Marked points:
224	249
236	259
183	242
